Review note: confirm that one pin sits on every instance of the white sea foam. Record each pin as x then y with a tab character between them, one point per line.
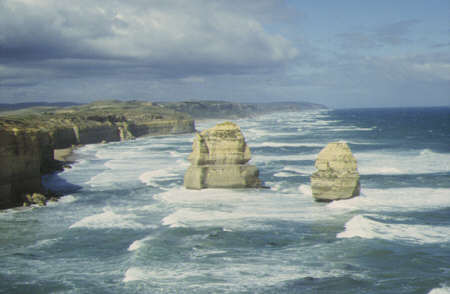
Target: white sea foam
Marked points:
364	227
350	128
297	157
443	289
239	208
282	144
108	219
425	161
63	200
240	276
150	178
398	199
305	190
138	244
284	175
135	274
304	170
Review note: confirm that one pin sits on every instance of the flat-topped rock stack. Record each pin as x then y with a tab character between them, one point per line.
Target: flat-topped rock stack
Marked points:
219	160
337	175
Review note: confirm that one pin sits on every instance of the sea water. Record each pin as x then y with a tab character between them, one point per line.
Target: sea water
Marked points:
127	225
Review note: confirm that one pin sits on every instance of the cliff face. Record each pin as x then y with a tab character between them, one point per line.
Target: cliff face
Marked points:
20	161
27	141
218	160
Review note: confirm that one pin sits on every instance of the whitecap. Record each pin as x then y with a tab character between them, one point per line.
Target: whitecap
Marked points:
284	175
138	244
238	208
282	144
63	200
151	177
365	227
398	199
443	289
385	163
135	274
305	189
297	157
108	219
305	170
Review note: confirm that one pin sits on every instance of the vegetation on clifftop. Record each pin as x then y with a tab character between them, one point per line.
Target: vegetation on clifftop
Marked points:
49	118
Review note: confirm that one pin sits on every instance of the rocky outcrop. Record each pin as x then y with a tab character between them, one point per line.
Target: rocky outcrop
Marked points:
337	176
219	160
28	140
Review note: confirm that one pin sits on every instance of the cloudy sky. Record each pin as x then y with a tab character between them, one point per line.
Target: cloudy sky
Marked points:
348	53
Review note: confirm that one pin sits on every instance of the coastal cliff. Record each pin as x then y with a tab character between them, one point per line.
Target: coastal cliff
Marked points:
224	109
28	139
20	161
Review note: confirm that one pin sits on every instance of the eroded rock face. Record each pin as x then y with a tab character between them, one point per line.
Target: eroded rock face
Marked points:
20	164
219	160
337	175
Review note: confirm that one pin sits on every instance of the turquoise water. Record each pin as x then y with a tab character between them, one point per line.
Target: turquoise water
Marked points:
128	226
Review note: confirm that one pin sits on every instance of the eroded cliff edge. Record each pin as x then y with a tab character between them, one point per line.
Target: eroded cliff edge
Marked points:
28	139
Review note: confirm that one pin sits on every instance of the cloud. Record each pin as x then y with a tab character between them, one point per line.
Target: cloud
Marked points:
178	37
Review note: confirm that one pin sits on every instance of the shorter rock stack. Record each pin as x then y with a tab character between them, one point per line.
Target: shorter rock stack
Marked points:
337	176
219	160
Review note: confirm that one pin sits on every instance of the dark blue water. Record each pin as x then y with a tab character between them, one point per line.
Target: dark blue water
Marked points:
133	228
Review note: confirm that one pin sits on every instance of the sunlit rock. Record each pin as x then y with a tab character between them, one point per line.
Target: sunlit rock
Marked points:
337	175
219	160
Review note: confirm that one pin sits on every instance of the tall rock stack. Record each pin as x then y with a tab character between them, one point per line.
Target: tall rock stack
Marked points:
219	160
337	176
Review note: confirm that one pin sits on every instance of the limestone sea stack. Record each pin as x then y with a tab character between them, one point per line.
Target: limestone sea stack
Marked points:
219	160
337	175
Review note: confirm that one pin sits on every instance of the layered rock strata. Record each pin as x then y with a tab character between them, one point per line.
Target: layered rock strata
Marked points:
337	175
219	160
20	161
28	141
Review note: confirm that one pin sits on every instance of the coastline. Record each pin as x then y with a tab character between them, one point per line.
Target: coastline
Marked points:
66	155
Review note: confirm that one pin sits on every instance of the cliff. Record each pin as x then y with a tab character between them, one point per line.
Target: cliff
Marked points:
219	160
224	109
28	138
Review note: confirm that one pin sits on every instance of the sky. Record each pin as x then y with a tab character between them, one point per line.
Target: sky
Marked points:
345	53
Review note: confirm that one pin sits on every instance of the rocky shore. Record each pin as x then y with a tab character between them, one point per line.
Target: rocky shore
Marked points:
40	140
28	140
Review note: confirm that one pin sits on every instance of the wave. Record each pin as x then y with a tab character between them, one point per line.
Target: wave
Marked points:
304	170
237	209
443	289
135	274
138	244
424	161
108	219
63	200
282	144
365	227
398	199
150	178
305	190
297	157
284	175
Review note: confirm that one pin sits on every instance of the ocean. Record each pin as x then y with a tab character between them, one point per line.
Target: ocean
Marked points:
127	225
